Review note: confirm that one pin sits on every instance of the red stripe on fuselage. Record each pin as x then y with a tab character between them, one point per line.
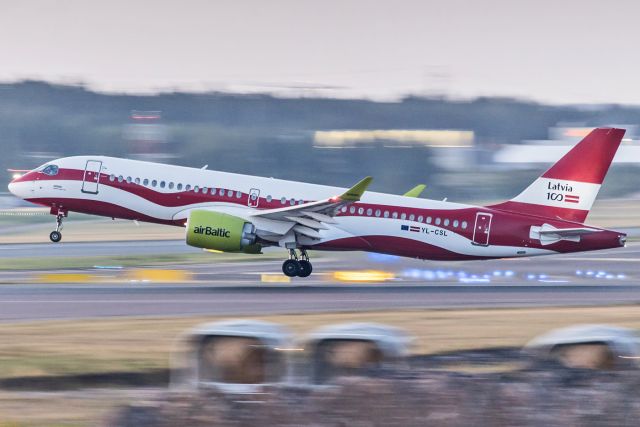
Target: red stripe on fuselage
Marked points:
100	208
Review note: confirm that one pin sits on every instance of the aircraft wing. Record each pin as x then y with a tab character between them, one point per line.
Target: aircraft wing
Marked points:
415	191
308	218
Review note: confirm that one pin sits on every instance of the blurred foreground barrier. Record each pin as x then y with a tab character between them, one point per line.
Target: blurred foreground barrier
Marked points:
234	356
589	347
353	349
155	275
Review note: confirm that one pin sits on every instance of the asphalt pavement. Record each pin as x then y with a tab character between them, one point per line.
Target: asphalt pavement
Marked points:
238	288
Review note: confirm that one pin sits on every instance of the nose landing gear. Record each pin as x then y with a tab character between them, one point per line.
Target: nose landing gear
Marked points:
56	235
294	266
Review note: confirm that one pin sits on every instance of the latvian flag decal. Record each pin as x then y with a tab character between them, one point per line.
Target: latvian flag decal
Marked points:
410	228
570	198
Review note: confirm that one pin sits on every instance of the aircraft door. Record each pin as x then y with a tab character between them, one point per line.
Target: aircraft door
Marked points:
91	178
254	198
482	229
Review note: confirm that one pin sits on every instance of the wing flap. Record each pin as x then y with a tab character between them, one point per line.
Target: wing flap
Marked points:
326	207
307	219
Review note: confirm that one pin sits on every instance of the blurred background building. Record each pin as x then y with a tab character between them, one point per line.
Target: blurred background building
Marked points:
462	150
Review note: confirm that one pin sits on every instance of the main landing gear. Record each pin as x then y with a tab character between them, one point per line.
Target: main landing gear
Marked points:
294	266
56	235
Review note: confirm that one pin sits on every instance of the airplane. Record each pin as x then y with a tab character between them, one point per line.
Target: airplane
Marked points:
240	213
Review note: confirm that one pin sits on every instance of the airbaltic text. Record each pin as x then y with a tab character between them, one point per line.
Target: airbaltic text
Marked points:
210	231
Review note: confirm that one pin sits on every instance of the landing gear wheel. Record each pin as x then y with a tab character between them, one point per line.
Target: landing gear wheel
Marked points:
55	235
291	268
305	268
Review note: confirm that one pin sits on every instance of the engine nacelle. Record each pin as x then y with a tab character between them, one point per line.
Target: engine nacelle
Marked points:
221	232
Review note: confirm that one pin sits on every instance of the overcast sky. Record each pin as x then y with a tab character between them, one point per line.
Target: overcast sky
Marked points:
559	51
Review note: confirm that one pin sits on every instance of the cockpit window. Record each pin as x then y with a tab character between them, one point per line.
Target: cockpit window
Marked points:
50	170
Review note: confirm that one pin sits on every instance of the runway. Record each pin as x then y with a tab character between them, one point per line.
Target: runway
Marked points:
37	302
235	288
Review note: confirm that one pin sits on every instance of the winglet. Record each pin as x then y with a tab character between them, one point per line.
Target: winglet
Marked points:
354	193
415	191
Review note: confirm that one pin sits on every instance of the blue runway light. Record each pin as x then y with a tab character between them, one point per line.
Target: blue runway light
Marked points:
428	275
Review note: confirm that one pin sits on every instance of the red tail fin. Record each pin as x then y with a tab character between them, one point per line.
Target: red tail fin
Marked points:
568	189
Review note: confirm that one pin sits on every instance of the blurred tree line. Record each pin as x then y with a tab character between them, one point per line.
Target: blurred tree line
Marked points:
271	136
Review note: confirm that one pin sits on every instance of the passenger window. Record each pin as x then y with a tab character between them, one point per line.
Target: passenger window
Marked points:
269	198
438	221
464	224
360	211
446	222
378	212
343	209
369	212
403	216
420	218
292	202
145	182
412	217
179	186
196	189
128	180
283	200
187	187
120	178
154	183
386	214
213	191
455	223
429	220
112	177
352	209
162	184
238	194
171	186
137	181
394	215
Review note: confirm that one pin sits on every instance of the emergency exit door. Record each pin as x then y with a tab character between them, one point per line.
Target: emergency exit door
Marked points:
254	198
482	229
91	178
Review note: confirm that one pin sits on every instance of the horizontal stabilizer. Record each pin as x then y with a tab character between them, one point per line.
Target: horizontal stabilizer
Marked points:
548	234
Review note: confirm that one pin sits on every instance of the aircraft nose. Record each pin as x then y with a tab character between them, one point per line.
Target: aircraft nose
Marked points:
12	187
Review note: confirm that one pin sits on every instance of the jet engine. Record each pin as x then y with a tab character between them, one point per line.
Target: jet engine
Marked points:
221	232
